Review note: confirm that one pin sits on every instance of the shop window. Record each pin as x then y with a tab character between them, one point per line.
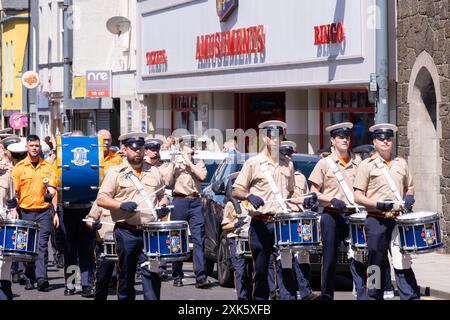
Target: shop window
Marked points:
346	105
184	112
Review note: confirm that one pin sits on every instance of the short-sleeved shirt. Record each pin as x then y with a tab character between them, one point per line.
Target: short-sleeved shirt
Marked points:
5	189
186	182
117	186
251	179
372	182
301	188
112	159
230	216
28	181
323	177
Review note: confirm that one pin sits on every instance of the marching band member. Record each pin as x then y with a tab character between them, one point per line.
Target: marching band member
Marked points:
104	272
334	194
262	178
381	179
186	175
152	147
301	258
235	226
35	204
119	194
6	201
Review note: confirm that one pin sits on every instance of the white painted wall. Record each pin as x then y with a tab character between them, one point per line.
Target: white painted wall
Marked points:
291	58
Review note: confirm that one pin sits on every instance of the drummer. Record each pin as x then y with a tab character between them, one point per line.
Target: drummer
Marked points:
186	175
7	201
104	272
235	226
120	195
301	258
335	195
372	190
261	178
35	204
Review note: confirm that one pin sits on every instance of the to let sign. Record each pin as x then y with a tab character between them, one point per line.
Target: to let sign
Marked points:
98	84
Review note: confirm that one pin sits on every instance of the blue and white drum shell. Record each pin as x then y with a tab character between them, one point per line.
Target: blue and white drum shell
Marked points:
420	232
358	231
297	230
166	240
243	247
19	239
109	248
80	168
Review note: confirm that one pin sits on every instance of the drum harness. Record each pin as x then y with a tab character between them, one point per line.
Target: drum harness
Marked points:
382	166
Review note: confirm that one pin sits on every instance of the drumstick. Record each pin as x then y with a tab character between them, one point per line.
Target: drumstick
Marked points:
394	202
108	223
157	208
350	206
149	195
287	199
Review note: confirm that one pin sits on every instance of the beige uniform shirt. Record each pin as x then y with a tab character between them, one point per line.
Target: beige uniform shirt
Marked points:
323	177
122	189
230	216
185	181
372	182
301	188
5	190
252	180
165	169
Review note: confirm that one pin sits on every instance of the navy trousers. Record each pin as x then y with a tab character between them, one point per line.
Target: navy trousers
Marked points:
103	273
334	230
243	269
190	210
79	244
38	270
271	273
130	250
286	282
359	275
302	275
5	290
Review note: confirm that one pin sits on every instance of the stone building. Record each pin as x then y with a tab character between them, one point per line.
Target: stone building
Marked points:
423	108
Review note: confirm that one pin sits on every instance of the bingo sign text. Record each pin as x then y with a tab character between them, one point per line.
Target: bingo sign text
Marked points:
98	84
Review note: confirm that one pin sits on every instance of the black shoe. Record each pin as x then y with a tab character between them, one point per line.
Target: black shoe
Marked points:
15	278
69	292
273	295
163	276
87	292
42	285
178	283
29	285
203	285
22	279
312	296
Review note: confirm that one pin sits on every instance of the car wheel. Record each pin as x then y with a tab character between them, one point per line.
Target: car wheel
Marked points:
209	267
224	271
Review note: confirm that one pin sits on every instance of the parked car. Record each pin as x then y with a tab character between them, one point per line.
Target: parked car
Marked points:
214	200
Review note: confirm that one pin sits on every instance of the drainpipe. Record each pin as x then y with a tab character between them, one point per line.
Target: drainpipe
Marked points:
66	53
382	111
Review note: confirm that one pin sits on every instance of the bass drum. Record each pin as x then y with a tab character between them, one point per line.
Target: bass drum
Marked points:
80	168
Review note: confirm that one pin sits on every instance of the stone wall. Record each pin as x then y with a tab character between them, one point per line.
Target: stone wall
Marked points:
424	25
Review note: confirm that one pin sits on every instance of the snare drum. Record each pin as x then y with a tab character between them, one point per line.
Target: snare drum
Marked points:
80	168
297	230
358	231
109	248
19	239
243	247
419	232
166	240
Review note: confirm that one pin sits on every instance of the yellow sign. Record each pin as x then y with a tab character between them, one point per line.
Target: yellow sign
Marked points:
79	87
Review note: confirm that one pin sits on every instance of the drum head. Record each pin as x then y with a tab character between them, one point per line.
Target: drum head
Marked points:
109	237
357	217
164	225
420	216
20	223
296	215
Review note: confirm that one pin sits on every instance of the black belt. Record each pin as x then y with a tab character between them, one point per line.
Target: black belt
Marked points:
334	210
195	195
34	210
124	225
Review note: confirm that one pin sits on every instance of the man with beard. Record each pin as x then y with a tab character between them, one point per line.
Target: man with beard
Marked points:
120	195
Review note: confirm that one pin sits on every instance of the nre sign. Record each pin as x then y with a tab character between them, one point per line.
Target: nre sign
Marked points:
156	57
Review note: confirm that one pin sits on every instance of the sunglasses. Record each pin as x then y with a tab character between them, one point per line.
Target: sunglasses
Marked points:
273	132
382	138
153	148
